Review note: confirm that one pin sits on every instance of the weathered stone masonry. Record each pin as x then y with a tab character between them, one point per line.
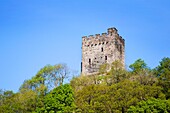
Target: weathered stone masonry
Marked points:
100	49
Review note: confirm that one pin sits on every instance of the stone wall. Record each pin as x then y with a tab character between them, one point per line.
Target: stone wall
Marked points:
100	49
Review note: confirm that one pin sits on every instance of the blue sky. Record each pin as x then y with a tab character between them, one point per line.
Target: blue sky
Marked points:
34	33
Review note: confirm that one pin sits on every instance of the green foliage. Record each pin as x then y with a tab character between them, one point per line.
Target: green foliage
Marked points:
77	83
53	76
19	102
103	68
7	101
151	106
138	66
110	91
59	100
117	73
115	98
163	73
141	73
32	92
117	89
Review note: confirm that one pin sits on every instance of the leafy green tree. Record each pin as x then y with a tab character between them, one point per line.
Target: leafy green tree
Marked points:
163	73
117	72
115	98
77	83
103	68
127	93
33	91
22	102
9	102
138	66
140	72
1	97
59	100
92	99
151	106
53	76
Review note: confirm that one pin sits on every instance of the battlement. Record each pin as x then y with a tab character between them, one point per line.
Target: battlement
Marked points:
103	38
110	32
101	48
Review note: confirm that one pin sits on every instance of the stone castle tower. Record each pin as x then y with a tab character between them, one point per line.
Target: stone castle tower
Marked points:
101	49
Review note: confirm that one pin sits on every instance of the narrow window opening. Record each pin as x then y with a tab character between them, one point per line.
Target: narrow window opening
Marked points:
89	61
102	49
81	66
120	48
116	42
105	57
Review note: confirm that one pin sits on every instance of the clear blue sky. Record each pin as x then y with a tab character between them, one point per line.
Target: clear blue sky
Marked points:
34	33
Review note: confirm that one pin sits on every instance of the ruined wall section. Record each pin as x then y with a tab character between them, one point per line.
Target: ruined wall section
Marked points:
100	49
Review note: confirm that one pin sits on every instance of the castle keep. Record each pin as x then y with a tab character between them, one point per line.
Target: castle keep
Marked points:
101	49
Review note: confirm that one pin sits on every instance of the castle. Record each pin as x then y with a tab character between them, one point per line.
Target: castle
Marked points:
101	49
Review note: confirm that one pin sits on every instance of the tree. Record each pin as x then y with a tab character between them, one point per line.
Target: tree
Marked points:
163	73
103	68
78	83
142	73
9	102
33	91
53	76
59	100
92	98
117	72
138	66
46	79
113	98
151	106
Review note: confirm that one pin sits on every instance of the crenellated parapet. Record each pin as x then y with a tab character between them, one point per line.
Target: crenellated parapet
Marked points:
110	32
97	39
122	40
